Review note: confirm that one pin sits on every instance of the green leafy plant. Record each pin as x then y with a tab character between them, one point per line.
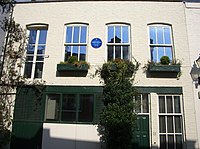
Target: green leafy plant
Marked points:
117	120
72	59
164	60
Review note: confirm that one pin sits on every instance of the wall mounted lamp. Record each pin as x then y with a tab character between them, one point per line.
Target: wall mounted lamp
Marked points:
195	72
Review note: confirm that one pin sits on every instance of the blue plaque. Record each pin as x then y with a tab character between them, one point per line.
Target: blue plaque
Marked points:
96	43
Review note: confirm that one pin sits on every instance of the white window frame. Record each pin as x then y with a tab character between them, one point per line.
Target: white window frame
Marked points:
173	114
161	45
37	27
76	44
119	44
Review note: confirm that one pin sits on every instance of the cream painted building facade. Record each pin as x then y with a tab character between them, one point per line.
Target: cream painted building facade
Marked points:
144	30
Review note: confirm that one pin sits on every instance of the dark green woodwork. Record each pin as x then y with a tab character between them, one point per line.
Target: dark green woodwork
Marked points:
160	90
164	68
26	135
141	134
71	67
99	105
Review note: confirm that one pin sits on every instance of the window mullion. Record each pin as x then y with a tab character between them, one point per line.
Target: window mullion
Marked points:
72	41
79	41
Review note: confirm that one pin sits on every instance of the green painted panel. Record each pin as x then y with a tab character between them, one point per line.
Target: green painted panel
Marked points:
98	107
74	89
160	89
26	135
141	133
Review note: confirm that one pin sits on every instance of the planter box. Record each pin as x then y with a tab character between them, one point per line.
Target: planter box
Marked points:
164	68
70	67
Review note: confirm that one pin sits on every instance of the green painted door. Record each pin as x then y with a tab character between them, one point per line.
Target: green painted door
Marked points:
141	135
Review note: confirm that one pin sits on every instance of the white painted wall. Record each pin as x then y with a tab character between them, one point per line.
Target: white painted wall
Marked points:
193	22
97	15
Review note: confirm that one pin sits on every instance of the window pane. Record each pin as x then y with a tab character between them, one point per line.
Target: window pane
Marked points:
167	35
52	111
169	104
170	142
125	35
29	58
110	52
83	34
40	58
162	124
178	125
160	35
42	37
28	69
161	104
67	52
38	70
145	103
82	53
138	104
168	52
69	107
32	36
177	106
179	142
110	34
75	51
152	35
117	51
170	127
160	53
163	144
118	34
154	54
125	52
69	35
30	49
40	49
86	108
76	34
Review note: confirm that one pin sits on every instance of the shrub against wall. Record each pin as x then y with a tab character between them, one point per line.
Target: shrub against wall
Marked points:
118	118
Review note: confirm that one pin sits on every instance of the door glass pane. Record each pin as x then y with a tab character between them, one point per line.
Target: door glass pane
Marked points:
161	104
52	110
69	106
117	51
178	125
170	128
38	70
162	124
42	37
169	104
145	103
138	104
86	108
69	34
118	34
76	34
177	106
179	142
163	144
125	38
170	142
110	34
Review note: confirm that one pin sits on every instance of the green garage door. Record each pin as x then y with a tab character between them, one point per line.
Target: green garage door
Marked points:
141	135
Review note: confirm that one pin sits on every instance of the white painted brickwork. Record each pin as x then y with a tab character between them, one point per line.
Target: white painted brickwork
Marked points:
97	15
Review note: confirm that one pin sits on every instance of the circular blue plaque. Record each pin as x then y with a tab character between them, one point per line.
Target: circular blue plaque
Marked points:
96	43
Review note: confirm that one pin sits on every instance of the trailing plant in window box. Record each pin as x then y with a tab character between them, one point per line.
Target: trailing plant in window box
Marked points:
73	64
118	118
